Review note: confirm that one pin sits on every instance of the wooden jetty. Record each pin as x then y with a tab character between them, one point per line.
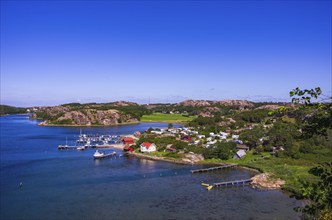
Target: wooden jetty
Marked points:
213	168
228	183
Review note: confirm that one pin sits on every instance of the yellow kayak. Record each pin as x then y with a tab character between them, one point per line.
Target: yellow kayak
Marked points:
208	186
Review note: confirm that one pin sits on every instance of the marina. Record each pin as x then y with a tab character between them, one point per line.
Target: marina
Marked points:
85	141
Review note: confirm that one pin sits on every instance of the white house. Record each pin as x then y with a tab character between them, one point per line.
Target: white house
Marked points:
147	147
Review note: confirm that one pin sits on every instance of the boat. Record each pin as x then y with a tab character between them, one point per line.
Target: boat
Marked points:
100	155
81	148
62	147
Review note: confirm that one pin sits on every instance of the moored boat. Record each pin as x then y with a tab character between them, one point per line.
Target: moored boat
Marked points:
100	155
81	148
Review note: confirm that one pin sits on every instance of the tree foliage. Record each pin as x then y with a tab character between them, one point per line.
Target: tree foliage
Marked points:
221	150
316	123
6	109
320	193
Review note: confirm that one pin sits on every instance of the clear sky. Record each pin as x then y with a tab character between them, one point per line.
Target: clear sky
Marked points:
55	52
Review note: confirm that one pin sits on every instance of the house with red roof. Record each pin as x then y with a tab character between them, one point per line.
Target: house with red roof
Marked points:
128	141
147	147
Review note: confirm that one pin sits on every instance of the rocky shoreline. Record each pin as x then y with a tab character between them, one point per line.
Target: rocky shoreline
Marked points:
259	181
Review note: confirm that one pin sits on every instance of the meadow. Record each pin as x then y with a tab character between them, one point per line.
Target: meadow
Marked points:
159	117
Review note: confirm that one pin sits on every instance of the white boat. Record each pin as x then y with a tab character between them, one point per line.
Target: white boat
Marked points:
81	148
100	155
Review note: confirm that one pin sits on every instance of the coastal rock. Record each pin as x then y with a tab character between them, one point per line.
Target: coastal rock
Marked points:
62	115
264	181
96	117
192	158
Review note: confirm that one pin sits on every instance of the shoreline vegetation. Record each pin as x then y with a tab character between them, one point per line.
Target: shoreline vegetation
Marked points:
261	180
93	125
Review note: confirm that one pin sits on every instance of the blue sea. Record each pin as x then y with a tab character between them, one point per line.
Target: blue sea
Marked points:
38	181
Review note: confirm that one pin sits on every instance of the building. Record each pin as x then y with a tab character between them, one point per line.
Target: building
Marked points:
239	154
128	141
242	147
128	149
147	147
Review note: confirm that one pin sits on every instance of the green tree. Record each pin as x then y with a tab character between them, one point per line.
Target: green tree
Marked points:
317	123
251	137
319	194
319	116
284	135
222	150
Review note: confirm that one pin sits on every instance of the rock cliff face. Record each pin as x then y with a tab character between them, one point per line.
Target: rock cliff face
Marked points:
62	115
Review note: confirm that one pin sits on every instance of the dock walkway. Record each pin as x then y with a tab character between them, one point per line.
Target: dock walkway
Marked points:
228	183
213	168
232	183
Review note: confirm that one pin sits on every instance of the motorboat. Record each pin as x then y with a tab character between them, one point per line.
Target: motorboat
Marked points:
100	155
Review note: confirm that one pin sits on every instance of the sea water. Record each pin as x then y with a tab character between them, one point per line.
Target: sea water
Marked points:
40	182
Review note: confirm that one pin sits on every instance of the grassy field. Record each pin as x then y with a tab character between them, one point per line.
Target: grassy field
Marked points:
159	117
291	170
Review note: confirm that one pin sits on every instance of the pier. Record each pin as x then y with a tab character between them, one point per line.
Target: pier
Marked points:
228	183
213	168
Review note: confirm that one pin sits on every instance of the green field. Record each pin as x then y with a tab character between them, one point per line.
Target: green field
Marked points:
159	117
291	170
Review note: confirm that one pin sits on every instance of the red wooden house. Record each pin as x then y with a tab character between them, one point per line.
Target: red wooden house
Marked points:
128	141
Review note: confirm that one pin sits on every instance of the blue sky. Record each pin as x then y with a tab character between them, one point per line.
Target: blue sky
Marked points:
55	52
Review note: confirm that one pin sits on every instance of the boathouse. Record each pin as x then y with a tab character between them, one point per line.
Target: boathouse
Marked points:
128	149
128	141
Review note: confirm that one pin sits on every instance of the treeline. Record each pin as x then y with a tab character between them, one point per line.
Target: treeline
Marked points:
6	109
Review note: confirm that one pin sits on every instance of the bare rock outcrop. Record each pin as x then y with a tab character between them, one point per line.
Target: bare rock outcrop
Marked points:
264	181
192	158
195	103
96	117
241	104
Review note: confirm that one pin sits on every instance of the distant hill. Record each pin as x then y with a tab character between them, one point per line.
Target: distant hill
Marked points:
240	104
91	114
6	109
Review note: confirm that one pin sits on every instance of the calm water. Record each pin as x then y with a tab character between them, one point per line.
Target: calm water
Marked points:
71	185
